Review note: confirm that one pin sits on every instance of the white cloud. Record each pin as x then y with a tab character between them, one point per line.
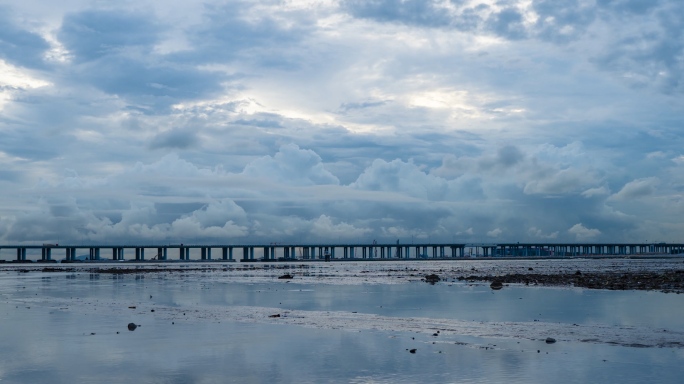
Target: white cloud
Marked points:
583	233
324	227
292	166
592	192
496	232
538	233
636	189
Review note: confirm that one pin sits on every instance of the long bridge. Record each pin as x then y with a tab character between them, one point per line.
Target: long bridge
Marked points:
346	251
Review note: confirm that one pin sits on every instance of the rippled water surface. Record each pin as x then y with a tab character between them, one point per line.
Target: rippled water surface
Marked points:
69	327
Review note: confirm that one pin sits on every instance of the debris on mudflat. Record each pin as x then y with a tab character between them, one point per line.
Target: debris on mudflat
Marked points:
286	276
431	278
550	340
132	326
276	315
496	285
664	281
413	350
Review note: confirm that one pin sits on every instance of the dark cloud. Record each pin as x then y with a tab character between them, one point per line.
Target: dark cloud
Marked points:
229	32
345	107
93	34
509	156
507	23
175	138
262	123
18	45
411	12
562	21
8	175
148	84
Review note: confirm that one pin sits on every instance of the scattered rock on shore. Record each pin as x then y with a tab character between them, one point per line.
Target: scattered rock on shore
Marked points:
432	278
550	340
286	276
132	326
496	285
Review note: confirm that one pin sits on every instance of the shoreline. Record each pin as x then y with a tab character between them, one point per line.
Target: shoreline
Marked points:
663	274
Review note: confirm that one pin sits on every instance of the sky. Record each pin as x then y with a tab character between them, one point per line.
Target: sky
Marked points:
250	122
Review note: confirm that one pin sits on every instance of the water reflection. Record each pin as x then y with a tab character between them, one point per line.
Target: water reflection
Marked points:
41	343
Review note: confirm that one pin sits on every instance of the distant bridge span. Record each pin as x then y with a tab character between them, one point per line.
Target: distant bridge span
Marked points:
336	251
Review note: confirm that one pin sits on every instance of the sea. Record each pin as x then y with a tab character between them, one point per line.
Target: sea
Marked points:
351	322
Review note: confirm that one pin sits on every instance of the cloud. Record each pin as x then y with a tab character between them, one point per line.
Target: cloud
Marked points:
400	177
386	119
93	34
413	12
538	233
593	192
636	189
291	165
324	228
18	45
496	232
583	233
175	138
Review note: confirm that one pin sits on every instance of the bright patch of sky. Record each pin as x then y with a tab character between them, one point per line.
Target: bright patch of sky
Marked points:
277	121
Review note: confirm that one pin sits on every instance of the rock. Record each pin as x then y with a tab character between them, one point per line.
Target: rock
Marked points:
432	278
496	285
276	315
132	326
550	340
530	269
578	273
412	350
286	276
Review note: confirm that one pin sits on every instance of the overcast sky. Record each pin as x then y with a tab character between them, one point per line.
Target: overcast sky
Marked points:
341	120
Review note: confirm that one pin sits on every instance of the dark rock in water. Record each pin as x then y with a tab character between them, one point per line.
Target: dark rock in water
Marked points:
496	285
435	334
412	350
432	278
132	326
276	315
550	340
578	273
530	269
286	276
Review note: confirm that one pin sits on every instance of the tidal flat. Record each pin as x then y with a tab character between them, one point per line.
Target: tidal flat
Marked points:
359	322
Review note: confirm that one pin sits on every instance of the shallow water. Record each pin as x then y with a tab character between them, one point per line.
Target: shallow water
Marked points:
62	327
